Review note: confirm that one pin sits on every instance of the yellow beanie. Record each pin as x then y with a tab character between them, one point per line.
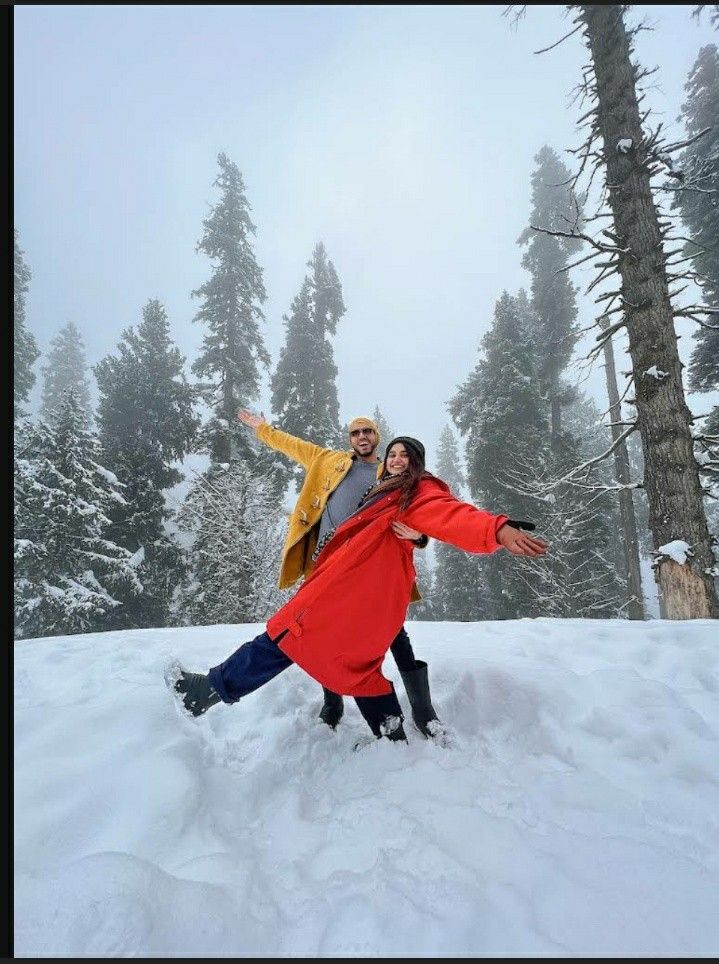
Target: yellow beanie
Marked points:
362	422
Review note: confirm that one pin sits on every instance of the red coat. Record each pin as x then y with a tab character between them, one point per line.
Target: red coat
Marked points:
344	617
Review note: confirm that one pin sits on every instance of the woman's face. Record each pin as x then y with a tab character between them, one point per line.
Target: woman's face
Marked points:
397	459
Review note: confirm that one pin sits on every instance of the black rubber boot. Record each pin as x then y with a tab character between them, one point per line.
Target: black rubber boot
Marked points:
198	693
332	708
416	683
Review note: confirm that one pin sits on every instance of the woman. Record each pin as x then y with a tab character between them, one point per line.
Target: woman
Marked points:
339	624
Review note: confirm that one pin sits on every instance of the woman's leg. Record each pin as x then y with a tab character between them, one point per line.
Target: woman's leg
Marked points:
383	714
403	653
416	682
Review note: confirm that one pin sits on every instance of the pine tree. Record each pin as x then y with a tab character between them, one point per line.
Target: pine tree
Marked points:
424	610
460	590
500	412
237	531
582	565
66	370
25	347
553	294
69	574
386	434
146	419
234	347
696	199
671	474
304	391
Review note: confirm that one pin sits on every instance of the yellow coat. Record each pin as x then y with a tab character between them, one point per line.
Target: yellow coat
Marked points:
324	470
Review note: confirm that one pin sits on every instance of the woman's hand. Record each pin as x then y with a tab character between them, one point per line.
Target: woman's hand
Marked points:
249	418
520	543
404	532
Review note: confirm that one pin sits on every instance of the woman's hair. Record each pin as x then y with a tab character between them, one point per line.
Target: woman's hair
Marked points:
407	482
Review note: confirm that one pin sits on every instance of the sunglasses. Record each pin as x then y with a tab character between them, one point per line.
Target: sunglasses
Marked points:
361	431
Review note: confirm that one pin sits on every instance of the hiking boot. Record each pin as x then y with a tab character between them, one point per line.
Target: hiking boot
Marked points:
332	708
198	693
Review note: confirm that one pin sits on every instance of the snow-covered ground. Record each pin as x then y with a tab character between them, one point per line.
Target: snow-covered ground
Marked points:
577	814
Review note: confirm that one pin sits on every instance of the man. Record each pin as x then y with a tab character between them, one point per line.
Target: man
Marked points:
333	485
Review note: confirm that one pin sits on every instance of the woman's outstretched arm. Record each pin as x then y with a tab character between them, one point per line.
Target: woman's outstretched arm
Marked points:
440	515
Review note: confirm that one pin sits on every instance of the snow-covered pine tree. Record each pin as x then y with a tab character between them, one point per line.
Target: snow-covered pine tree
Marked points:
630	156
553	294
146	418
424	610
386	433
69	574
500	412
66	370
459	590
234	346
584	523
696	199
25	347
304	390
237	529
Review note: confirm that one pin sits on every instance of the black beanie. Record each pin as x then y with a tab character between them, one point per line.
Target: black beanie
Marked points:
409	443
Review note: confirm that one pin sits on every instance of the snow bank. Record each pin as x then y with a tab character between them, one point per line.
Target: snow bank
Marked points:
577	814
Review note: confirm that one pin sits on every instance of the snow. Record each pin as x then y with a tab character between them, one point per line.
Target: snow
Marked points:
624	145
137	558
656	373
576	812
107	474
678	550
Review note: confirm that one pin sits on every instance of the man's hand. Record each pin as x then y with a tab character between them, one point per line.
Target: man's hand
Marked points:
404	532
249	418
520	543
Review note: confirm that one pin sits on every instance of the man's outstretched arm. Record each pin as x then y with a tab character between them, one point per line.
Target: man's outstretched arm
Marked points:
297	449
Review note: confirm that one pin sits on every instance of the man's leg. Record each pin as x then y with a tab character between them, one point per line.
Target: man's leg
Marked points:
416	682
249	667
383	714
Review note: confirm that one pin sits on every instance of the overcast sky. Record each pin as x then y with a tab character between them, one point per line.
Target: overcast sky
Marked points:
402	137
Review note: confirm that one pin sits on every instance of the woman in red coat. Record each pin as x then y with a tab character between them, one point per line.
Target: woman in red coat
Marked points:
339	624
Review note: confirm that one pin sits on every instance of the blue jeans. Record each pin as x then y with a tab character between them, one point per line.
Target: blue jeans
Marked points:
257	662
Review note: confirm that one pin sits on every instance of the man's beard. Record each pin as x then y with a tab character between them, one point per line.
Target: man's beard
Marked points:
371	450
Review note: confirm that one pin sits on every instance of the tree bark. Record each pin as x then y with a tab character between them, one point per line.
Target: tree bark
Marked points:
671	474
630	542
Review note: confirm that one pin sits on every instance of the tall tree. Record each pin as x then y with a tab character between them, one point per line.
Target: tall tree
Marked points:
386	433
70	576
146	418
499	410
236	528
25	347
459	589
696	199
671	473
425	609
304	390
66	370
553	294
234	348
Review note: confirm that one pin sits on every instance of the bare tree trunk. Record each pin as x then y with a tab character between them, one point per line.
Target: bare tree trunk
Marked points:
626	505
671	475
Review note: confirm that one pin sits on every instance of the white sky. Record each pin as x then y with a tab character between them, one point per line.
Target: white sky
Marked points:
402	137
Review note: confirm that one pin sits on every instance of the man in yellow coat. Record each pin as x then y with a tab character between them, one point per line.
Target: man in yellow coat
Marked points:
334	483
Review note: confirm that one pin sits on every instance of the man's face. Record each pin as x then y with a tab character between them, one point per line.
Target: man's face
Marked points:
363	440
